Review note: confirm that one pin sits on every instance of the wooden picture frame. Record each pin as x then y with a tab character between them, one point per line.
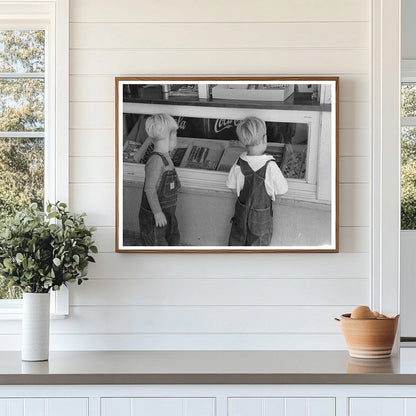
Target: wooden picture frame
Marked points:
300	115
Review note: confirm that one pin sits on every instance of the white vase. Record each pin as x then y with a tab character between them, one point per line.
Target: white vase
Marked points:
35	326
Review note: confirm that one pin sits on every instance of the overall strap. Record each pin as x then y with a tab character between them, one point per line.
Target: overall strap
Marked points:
245	167
262	171
165	161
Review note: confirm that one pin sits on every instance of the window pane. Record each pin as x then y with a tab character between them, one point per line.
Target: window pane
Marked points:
7	292
408	178
22	104
21	182
408	100
22	51
21	173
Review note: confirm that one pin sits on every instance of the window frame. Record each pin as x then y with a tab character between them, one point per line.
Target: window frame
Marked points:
53	17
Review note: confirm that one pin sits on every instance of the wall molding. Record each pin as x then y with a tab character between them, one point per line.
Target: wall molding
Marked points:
385	99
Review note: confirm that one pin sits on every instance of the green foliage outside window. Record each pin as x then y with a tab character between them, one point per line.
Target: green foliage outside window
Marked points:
408	179
21	110
408	160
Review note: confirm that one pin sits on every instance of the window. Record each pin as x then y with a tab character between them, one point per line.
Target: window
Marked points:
33	111
408	154
22	124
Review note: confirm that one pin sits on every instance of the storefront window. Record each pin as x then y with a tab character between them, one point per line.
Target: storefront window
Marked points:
212	144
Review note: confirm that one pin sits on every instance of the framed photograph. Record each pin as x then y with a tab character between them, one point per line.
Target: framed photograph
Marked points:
236	164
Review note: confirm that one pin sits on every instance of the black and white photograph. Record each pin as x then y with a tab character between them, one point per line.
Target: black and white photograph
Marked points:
227	164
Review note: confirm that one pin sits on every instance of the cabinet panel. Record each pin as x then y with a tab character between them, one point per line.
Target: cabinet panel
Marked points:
67	407
382	407
281	407
410	407
296	407
44	407
245	407
199	407
377	407
119	407
318	407
15	407
34	407
157	406
275	407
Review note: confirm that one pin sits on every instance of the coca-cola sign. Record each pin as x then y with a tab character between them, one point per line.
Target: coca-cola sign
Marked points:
222	124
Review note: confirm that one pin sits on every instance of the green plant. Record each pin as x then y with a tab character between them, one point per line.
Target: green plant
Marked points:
408	179
43	251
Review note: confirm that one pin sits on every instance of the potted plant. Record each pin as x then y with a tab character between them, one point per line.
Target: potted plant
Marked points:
40	252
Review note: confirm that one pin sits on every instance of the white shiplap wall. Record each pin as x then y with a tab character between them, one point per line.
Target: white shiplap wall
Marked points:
214	301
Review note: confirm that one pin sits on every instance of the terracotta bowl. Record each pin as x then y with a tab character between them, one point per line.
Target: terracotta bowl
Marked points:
369	366
369	338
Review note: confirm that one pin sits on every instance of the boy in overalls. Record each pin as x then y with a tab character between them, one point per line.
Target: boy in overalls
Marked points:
256	179
157	218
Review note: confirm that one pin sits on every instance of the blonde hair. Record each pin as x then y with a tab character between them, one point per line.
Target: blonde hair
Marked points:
159	126
251	131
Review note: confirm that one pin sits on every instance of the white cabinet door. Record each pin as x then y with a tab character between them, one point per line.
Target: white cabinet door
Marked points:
258	406
160	406
377	407
382	406
44	407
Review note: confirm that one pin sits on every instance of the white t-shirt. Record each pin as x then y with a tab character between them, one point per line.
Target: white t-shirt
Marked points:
274	181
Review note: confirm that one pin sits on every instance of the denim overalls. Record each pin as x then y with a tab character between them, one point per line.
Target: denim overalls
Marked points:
167	193
252	224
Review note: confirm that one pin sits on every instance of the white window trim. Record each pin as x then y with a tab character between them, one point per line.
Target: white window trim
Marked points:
385	98
53	15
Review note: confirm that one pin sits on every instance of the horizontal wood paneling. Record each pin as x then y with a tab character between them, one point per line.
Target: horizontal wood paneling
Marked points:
354	208
218	11
352	239
354	142
220	291
201	319
90	169
105	239
92	115
230	301
98	88
266	265
96	199
94	143
256	61
354	115
146	342
195	320
354	170
92	88
218	35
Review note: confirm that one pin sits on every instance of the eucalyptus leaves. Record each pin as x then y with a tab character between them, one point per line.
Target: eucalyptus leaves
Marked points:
40	252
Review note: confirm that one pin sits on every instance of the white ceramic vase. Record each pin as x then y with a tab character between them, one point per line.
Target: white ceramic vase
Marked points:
35	326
